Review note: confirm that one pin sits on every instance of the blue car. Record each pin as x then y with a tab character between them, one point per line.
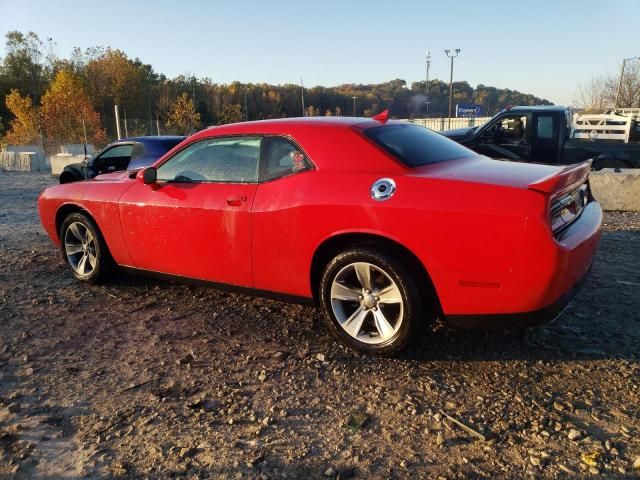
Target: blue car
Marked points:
125	154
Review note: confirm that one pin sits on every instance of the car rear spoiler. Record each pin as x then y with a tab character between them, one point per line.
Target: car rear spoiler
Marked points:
566	177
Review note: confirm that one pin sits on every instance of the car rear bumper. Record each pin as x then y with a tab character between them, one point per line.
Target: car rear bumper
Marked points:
519	320
547	275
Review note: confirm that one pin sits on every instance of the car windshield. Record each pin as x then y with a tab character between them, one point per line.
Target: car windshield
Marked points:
415	146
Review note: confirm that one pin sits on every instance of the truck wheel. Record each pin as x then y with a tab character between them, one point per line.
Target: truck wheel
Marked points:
84	249
370	302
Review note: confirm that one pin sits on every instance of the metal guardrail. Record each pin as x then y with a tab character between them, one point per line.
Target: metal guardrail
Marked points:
442	123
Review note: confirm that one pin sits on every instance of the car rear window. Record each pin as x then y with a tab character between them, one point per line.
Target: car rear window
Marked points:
414	145
170	143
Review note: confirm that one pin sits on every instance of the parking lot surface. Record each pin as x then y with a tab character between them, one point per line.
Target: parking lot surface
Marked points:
145	378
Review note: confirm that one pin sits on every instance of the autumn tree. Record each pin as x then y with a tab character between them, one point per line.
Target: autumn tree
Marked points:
231	113
183	117
65	105
23	129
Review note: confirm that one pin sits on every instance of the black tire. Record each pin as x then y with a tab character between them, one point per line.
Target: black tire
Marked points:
97	248
407	329
608	162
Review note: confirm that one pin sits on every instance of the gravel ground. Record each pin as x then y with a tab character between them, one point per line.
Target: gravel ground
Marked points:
143	378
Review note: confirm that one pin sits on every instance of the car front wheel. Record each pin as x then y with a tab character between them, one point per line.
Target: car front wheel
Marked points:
370	302
84	249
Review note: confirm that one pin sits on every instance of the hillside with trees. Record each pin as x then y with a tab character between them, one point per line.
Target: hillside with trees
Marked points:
46	99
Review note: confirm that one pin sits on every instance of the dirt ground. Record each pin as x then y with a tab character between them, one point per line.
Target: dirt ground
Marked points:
144	378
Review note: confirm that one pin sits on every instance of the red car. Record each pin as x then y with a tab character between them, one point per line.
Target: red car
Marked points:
385	225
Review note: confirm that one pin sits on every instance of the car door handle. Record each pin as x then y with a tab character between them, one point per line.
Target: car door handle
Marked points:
236	201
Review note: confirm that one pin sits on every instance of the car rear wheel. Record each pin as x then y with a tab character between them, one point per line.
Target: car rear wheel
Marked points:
84	249
370	302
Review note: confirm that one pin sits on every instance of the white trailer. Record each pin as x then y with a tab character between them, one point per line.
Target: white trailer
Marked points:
611	126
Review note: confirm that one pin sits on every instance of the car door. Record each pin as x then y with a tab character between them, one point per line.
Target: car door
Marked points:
196	220
507	137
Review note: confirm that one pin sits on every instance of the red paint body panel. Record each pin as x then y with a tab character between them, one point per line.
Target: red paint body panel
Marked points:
480	227
190	230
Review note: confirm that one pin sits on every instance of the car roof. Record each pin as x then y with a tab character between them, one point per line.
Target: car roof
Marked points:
151	138
536	108
313	133
304	121
291	125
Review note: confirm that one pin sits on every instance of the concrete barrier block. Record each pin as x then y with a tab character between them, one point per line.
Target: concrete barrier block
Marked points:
21	161
77	149
617	190
61	160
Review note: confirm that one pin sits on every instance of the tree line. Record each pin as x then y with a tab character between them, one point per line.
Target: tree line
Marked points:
47	99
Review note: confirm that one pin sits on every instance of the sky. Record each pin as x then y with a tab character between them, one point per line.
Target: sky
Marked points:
546	48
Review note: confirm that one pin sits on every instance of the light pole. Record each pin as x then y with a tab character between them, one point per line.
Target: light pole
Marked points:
451	56
354	106
426	86
624	64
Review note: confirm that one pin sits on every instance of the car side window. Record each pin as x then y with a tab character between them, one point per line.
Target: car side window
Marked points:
118	151
509	129
281	157
228	159
545	126
114	159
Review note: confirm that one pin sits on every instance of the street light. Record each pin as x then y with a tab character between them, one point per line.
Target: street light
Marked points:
427	67
624	64
354	106
451	56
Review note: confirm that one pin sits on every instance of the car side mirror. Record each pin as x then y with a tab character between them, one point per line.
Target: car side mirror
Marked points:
149	176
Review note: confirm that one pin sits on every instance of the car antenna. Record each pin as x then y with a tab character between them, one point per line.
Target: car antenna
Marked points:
84	128
382	116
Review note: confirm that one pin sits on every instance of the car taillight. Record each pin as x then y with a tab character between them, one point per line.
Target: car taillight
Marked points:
567	208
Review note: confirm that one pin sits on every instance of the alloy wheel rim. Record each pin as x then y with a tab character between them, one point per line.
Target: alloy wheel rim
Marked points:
80	249
367	303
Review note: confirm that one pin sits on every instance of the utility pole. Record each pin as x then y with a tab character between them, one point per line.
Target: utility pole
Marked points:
426	85
354	106
84	129
304	112
115	108
451	56
246	109
624	64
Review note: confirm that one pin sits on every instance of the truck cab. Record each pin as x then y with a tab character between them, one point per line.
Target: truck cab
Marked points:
532	134
542	134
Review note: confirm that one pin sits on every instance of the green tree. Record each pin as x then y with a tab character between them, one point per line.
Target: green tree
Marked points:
22	66
183	118
230	114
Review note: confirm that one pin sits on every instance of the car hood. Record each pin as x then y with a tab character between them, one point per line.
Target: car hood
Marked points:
485	170
111	177
458	133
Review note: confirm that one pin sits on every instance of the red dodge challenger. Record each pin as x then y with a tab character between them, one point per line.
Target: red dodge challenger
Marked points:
385	224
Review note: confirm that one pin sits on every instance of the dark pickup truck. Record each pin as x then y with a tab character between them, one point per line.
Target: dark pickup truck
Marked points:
542	134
